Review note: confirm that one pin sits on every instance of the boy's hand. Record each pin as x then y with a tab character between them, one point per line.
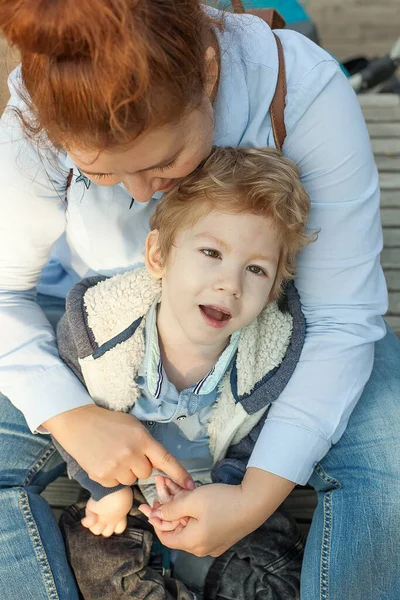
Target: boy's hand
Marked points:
221	515
113	447
108	515
167	490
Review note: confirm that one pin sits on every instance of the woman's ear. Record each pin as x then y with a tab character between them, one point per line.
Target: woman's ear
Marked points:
212	70
153	255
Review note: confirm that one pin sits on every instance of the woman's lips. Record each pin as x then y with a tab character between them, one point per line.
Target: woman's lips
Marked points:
215	316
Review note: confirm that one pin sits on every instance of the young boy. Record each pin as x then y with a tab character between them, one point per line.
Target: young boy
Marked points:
195	344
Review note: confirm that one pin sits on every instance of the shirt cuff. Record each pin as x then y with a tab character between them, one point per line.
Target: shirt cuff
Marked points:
288	451
96	490
50	393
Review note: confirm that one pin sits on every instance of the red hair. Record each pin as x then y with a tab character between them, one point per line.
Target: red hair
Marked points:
100	72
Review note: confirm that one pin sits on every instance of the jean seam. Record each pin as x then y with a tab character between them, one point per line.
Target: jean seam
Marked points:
327	532
322	474
326	546
38	546
38	464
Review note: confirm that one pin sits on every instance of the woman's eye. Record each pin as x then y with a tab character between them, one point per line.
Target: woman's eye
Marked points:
102	176
256	270
211	253
166	167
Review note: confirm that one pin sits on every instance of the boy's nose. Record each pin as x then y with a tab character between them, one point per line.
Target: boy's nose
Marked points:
231	283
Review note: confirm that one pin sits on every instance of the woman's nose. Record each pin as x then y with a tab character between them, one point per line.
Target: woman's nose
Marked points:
143	189
138	188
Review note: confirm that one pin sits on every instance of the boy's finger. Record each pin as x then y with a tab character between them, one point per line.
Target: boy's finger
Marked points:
162	460
145	509
162	490
121	526
173	487
97	529
108	531
90	519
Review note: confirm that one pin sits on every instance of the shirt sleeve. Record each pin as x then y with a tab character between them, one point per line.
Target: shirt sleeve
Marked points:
32	218
339	279
97	491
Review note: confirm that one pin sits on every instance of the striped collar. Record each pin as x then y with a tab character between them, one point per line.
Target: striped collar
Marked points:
152	366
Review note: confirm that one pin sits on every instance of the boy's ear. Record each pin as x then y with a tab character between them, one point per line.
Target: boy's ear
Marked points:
153	255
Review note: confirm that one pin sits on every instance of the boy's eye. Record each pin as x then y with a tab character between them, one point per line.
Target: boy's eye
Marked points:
256	270
211	253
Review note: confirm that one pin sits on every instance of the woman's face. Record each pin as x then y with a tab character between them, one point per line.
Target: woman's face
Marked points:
155	160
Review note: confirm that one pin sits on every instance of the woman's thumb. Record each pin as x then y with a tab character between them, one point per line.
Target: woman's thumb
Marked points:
175	509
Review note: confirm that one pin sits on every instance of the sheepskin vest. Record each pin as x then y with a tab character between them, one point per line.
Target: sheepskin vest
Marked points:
106	319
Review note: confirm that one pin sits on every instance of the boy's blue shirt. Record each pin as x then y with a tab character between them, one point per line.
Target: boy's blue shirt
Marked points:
178	419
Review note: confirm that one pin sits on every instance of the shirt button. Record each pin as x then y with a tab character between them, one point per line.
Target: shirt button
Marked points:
150	423
181	418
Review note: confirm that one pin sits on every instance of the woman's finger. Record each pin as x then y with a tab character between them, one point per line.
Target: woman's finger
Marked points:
179	507
104	481
164	525
125	477
162	460
141	467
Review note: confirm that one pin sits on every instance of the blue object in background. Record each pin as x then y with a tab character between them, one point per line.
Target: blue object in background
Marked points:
290	10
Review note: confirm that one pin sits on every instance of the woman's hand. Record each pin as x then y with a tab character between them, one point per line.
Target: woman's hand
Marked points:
167	490
220	515
113	447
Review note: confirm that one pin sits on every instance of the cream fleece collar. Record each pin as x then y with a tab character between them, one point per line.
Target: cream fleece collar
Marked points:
114	304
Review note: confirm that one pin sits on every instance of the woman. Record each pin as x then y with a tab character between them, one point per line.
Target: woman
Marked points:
117	100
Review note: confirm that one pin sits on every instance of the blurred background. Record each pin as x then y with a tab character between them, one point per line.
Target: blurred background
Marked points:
352	27
346	28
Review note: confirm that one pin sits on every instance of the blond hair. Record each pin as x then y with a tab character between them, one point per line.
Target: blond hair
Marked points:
262	182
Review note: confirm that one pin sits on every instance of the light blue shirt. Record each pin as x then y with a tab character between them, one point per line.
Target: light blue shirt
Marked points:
339	277
178	420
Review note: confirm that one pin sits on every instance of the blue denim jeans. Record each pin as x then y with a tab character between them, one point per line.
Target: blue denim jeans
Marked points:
353	549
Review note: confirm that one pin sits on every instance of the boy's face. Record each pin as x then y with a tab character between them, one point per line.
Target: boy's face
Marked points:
219	275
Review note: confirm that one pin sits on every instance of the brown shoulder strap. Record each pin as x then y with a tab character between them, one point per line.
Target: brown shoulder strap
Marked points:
277	107
275	21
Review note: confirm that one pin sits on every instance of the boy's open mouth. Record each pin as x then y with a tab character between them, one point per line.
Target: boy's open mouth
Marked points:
214	315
